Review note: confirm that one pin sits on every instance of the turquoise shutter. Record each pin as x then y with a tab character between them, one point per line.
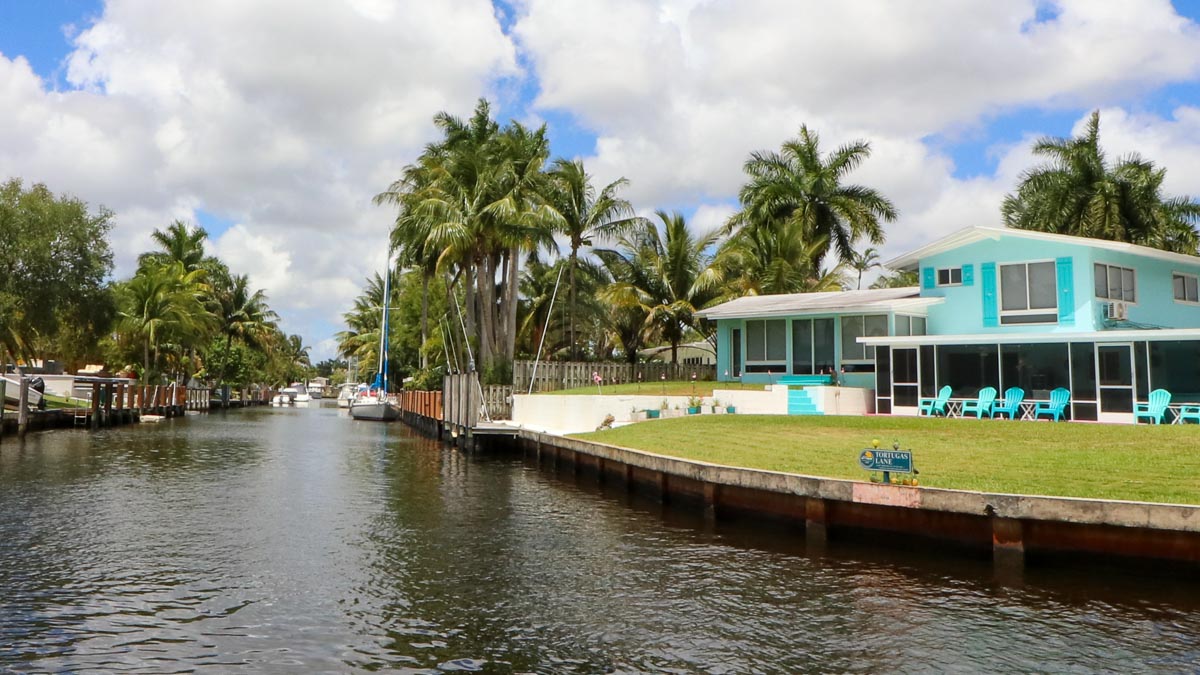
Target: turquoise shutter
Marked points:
990	317
1066	291
928	278
968	275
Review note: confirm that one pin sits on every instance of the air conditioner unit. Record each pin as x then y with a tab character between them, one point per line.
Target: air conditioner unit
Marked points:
1116	311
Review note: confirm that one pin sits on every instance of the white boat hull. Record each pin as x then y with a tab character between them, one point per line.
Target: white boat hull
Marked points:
374	411
12	392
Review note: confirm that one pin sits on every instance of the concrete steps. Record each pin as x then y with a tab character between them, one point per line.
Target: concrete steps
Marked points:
800	402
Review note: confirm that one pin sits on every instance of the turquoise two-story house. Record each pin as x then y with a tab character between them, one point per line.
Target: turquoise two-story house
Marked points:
995	307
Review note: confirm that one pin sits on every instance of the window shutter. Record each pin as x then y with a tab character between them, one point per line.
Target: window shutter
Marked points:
1066	290
929	277
988	273
968	275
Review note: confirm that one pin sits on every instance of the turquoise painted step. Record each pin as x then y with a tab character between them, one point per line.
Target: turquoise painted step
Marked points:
800	402
805	380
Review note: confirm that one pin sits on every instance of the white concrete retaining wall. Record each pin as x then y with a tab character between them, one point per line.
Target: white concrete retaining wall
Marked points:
772	400
574	414
844	400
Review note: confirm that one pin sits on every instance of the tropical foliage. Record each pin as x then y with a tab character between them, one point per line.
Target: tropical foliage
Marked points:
181	315
1078	191
529	254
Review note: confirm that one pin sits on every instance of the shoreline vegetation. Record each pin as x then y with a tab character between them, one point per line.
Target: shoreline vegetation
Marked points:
1091	461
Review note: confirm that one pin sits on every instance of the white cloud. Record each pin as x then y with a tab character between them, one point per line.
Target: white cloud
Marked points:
679	92
284	117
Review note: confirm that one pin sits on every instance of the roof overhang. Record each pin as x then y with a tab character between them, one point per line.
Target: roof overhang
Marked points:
971	235
1164	334
817	304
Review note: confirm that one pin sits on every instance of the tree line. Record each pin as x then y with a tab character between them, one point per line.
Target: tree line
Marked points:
182	315
488	227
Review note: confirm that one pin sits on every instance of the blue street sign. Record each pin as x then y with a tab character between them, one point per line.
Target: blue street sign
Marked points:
898	461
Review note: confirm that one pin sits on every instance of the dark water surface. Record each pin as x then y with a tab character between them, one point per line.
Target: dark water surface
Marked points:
297	540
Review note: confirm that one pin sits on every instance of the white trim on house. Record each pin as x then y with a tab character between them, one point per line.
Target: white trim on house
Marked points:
869	301
970	235
1159	335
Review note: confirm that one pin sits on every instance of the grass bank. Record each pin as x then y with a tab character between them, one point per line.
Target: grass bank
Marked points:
657	388
1141	463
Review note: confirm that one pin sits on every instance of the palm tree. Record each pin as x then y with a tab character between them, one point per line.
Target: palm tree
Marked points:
162	301
178	243
864	261
757	261
667	275
582	215
798	185
1078	192
243	315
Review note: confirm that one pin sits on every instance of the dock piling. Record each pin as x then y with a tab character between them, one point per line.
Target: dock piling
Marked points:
23	408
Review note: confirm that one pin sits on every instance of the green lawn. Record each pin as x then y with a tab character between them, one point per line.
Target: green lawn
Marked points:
658	388
1141	463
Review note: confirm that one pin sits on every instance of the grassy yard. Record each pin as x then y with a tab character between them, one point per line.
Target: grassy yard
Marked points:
1141	463
657	387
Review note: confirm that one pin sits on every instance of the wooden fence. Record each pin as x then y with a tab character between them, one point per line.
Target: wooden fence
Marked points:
556	375
423	403
465	403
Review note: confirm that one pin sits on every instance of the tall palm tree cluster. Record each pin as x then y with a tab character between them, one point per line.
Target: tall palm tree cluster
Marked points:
185	314
1079	191
519	255
526	254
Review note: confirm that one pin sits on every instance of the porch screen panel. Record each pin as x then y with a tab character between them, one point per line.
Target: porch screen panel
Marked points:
852	329
1175	366
777	340
904	377
1141	375
1036	368
929	385
1083	381
756	341
883	381
823	345
802	344
968	368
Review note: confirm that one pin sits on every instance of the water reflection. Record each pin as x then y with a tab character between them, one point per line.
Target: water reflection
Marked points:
297	540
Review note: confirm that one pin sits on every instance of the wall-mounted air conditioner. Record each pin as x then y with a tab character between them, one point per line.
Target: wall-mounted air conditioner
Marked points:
1116	311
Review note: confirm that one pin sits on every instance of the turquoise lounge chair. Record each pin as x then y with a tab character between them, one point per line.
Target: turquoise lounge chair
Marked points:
981	405
1059	398
1156	409
936	406
1011	405
1189	413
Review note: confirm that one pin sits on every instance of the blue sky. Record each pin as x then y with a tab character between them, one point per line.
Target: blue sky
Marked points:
275	139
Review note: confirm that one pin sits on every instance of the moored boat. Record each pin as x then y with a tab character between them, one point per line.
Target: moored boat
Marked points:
12	392
374	404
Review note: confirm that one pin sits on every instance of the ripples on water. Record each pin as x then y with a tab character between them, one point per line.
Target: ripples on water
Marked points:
296	540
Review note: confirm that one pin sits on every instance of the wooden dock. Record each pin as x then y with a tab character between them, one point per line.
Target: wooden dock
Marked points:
116	401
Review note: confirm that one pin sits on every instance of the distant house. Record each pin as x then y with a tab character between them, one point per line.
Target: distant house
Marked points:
691	353
995	307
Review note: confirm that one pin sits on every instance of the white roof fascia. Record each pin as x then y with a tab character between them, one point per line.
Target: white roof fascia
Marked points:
1156	335
973	234
919	306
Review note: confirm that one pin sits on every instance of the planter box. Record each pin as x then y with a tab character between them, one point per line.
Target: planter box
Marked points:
637	415
694	410
731	410
652	414
673	413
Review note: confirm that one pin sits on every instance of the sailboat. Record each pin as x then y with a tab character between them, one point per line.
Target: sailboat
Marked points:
373	404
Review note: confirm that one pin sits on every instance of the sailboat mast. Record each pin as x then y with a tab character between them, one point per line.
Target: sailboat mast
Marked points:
387	297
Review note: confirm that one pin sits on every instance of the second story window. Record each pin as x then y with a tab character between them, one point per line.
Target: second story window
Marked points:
949	276
1028	293
1115	283
1185	287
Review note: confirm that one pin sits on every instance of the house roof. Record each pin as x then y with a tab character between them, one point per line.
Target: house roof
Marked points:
1121	336
876	299
970	235
702	345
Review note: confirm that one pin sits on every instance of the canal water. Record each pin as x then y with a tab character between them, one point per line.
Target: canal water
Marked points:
297	540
